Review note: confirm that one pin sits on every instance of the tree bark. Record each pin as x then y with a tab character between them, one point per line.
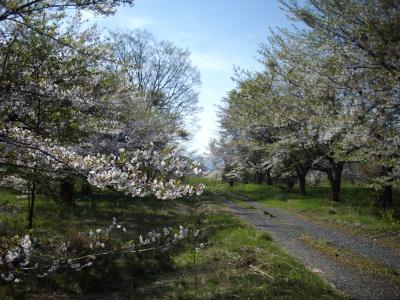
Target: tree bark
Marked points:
385	198
302	184
86	190
67	191
335	180
301	174
31	204
290	183
258	178
268	179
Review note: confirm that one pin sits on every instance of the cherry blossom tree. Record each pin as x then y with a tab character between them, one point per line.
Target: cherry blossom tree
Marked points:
59	95
363	40
328	96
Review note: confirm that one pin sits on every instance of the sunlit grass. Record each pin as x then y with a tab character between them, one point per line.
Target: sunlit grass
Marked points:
241	262
355	213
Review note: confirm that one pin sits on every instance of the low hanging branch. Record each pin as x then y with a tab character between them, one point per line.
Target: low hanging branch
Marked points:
19	258
127	172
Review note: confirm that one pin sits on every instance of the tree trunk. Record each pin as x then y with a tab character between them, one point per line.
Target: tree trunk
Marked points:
385	198
301	174
268	178
290	183
31	204
335	180
86	190
302	184
258	178
67	191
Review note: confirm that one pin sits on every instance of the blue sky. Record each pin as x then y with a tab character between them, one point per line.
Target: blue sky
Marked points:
220	34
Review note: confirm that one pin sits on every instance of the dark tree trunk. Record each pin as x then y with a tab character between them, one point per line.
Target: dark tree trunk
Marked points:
86	190
385	198
31	204
301	174
335	180
258	178
67	191
268	179
302	184
290	183
231	182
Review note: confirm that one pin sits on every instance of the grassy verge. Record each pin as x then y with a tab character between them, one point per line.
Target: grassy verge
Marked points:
235	262
355	214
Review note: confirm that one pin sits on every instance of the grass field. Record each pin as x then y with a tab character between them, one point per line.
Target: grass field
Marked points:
236	261
355	213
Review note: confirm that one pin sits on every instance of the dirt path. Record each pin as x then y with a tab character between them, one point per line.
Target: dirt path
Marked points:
286	230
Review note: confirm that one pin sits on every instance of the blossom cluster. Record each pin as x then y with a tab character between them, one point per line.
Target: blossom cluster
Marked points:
139	172
14	182
16	256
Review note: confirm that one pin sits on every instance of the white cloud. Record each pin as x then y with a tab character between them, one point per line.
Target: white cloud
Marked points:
124	22
210	62
136	22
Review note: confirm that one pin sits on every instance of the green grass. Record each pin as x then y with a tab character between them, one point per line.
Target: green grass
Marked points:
243	263
355	213
236	261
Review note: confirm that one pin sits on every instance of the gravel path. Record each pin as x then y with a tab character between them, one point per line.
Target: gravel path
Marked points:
366	248
285	229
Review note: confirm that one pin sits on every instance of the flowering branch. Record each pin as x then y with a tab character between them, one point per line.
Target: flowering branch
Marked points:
138	172
18	260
